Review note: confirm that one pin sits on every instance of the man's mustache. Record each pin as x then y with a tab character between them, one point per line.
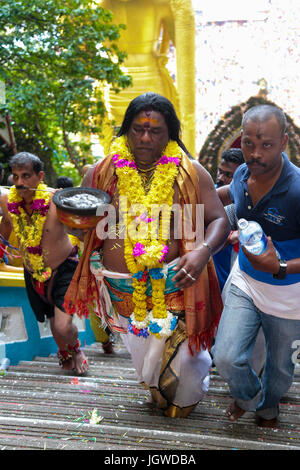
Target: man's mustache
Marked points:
254	162
21	186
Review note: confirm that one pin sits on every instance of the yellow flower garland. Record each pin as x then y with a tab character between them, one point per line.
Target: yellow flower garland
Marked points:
147	255
30	233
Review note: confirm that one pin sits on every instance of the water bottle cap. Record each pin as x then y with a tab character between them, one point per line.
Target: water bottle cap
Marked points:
242	224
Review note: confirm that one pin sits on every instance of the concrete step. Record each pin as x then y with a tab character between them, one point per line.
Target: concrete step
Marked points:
42	407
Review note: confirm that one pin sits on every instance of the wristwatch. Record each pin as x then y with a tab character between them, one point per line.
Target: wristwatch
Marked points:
282	270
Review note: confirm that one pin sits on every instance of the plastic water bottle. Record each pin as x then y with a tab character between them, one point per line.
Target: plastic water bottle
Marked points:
252	236
4	365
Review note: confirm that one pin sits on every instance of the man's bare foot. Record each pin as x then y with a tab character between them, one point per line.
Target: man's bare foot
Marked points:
80	362
150	402
108	347
68	364
234	412
73	361
73	358
267	423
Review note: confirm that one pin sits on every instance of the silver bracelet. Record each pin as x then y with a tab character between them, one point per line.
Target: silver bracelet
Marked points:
209	249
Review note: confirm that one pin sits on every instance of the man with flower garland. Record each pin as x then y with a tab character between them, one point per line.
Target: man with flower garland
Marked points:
28	211
158	288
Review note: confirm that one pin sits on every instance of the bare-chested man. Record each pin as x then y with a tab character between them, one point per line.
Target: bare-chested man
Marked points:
48	256
165	299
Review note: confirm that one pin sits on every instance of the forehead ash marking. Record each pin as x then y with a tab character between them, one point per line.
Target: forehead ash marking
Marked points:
259	133
261	126
147	120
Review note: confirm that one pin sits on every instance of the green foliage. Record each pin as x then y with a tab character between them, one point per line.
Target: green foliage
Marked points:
63	167
53	56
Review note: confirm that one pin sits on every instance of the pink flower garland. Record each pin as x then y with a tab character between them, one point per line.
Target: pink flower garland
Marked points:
13	207
165	159
164	252
121	162
138	250
37	205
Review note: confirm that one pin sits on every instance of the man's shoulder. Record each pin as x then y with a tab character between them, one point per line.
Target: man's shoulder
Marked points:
241	171
200	169
293	170
3	192
195	163
3	199
101	163
290	178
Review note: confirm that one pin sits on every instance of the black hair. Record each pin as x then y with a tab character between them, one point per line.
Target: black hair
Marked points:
64	182
157	103
233	155
22	159
263	112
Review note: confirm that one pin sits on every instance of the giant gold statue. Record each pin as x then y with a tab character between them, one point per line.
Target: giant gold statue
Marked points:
151	27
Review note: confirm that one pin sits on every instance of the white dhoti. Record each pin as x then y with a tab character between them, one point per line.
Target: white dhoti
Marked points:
176	379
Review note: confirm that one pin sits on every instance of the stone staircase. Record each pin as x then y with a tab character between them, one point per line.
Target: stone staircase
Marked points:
43	408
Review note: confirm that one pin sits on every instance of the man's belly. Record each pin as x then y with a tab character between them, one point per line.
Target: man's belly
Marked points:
113	254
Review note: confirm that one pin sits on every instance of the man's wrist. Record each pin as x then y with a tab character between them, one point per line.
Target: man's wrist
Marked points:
209	249
282	270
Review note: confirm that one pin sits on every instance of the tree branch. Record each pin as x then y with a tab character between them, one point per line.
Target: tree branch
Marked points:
69	147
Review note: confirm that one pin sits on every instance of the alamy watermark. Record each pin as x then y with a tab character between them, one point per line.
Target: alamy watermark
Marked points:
187	222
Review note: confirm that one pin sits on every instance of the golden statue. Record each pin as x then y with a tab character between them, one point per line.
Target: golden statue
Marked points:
151	27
